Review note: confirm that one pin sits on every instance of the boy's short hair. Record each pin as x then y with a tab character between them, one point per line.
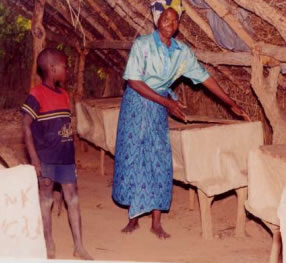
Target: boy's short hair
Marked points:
45	57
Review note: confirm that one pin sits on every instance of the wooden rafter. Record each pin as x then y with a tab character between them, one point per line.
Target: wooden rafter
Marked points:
65	13
214	58
102	30
266	12
72	42
223	10
107	19
191	12
127	14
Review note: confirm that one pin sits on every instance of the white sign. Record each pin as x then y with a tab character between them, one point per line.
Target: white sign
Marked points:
21	230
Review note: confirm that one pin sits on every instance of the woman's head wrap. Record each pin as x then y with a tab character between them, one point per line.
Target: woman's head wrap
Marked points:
159	6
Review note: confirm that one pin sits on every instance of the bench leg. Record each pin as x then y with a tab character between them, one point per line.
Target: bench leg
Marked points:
102	154
276	243
206	220
192	196
241	216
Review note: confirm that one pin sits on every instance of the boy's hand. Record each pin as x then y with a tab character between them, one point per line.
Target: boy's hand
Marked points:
240	112
37	165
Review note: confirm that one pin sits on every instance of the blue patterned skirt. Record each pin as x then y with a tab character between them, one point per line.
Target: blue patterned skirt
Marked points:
143	160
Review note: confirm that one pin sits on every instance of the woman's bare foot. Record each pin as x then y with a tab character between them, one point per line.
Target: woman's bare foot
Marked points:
131	226
156	225
82	254
159	232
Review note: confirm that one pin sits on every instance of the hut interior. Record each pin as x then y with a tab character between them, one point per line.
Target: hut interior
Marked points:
241	43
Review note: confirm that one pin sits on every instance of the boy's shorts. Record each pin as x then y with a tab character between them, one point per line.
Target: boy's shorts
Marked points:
60	173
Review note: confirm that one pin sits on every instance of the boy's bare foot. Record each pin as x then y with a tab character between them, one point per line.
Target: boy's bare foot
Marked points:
131	226
159	232
51	250
82	254
51	254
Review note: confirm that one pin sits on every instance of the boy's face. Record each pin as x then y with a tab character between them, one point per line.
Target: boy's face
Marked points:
60	69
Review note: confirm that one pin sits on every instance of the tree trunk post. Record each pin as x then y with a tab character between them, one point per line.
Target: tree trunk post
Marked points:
39	36
80	72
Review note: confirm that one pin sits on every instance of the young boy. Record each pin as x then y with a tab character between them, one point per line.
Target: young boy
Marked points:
48	137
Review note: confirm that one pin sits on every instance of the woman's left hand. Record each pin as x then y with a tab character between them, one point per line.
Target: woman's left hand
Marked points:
240	112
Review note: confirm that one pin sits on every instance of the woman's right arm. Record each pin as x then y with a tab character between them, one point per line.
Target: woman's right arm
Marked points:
27	122
145	91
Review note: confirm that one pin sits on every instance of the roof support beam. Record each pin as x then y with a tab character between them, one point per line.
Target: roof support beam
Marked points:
214	58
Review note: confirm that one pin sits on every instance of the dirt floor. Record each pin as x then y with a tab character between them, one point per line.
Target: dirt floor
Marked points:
103	220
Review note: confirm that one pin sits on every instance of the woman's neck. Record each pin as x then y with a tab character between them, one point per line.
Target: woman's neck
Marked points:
166	41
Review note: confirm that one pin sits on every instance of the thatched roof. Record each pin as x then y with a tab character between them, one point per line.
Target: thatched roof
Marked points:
108	27
87	22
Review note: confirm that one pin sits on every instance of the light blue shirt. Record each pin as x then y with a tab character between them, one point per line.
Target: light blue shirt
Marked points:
158	66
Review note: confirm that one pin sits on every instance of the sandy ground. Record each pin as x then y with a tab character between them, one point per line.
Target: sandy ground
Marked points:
103	220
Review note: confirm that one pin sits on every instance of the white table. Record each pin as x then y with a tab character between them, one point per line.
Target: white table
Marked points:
214	159
211	157
267	179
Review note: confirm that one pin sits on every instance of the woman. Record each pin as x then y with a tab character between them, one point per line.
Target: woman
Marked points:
143	160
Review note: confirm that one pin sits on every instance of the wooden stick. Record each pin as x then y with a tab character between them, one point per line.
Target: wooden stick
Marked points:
197	118
102	154
192	198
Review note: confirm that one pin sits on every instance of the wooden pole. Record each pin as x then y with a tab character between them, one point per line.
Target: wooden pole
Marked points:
80	71
266	89
39	35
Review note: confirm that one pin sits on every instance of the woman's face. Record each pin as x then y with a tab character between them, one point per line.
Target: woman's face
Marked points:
168	23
